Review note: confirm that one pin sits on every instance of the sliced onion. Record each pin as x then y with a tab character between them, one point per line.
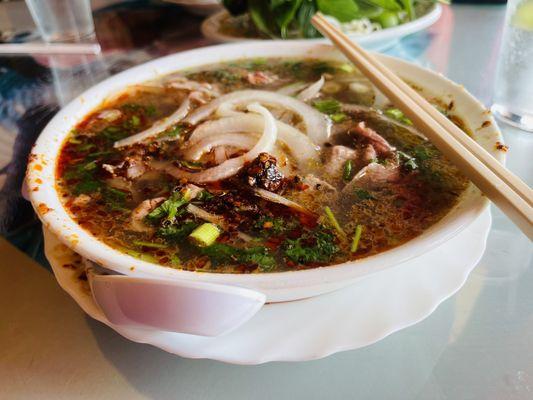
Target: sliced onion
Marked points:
232	166
158	127
244	236
292	89
239	140
220	154
302	148
316	124
186	84
206	216
110	115
312	90
276	198
227	110
380	100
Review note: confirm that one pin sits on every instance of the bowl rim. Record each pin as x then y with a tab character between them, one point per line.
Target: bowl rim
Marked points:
40	176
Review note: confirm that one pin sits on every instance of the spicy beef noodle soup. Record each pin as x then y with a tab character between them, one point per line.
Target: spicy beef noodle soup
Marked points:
254	166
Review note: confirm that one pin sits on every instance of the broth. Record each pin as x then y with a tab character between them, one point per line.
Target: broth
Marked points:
260	165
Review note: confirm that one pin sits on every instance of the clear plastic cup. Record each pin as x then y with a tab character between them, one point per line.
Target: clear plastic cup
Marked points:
513	91
63	20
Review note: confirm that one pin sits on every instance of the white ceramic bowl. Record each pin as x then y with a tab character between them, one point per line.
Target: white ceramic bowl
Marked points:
279	286
377	41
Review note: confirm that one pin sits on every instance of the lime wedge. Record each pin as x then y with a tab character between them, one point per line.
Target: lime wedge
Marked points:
523	16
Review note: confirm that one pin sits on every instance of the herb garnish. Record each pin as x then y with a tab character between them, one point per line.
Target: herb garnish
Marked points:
316	246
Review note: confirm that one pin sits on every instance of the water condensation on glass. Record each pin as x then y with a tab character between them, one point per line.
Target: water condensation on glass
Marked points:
62	20
513	95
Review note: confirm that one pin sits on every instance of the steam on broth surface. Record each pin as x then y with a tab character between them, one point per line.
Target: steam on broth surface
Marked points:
254	166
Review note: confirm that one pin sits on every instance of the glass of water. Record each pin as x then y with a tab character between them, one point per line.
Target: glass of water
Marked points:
513	91
63	20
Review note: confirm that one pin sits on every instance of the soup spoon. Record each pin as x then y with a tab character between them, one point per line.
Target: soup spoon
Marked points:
192	307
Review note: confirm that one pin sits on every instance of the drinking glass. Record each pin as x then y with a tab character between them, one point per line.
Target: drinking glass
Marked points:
513	92
63	20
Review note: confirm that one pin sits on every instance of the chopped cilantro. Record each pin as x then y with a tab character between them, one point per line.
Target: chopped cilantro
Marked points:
408	161
220	253
327	106
169	209
150	110
267	226
322	67
113	133
422	153
363	194
204	195
114	198
173	132
175	233
317	246
87	186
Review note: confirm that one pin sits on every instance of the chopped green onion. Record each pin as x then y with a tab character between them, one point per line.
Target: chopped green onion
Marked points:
152	245
175	260
90	166
191	164
140	255
74	140
135	120
206	234
347	68
356	238
398	115
329	106
338	117
347	171
186	194
334	221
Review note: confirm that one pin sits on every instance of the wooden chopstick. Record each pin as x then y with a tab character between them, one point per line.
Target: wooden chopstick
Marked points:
50	48
506	190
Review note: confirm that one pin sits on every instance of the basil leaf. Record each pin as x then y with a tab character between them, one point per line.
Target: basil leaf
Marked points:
408	7
286	16
306	11
390	5
262	16
343	10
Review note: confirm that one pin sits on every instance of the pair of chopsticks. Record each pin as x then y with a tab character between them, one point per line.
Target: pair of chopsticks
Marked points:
502	187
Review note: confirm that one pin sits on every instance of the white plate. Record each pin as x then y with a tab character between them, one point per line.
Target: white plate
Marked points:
303	330
378	41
